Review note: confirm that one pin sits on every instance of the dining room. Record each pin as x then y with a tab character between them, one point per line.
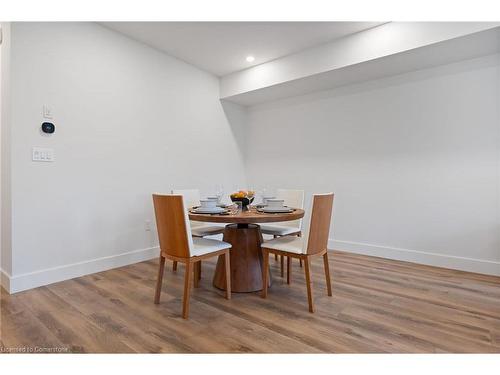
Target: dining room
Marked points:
250	187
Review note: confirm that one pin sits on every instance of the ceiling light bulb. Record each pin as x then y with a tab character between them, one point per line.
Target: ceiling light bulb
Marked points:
250	58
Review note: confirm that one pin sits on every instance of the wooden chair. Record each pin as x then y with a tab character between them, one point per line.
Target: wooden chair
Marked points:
177	244
295	199
312	245
198	229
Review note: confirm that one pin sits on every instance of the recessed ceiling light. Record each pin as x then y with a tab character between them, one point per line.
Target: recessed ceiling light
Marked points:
250	58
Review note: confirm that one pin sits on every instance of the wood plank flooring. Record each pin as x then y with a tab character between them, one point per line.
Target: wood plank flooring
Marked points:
378	306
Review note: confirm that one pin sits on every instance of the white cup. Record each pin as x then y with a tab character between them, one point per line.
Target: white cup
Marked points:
265	199
275	203
208	203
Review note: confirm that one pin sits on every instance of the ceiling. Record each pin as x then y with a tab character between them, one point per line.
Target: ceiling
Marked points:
222	47
464	48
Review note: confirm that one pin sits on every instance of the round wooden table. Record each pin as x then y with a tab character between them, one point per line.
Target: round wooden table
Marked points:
243	233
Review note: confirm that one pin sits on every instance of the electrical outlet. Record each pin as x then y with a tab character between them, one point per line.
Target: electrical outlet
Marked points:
147	225
42	154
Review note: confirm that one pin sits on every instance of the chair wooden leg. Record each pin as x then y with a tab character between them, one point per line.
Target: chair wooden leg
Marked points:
160	279
228	274
309	284
327	274
282	265
288	269
199	270
196	274
265	272
187	290
174	266
275	255
300	260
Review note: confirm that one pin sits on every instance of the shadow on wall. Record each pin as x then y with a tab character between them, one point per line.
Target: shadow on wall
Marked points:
237	118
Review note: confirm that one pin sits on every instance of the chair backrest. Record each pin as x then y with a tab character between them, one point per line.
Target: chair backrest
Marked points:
172	223
319	226
191	197
295	199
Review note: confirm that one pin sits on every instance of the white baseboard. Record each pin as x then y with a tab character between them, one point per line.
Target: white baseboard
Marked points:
422	257
18	283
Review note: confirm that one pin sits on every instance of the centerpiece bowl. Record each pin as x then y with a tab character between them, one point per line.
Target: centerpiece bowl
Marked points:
246	197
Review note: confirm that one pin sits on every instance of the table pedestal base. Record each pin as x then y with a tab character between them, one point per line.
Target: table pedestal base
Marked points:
246	259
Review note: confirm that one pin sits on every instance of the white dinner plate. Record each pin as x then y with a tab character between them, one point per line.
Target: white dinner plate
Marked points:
211	210
277	210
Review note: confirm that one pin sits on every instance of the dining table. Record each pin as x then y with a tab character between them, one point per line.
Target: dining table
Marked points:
242	231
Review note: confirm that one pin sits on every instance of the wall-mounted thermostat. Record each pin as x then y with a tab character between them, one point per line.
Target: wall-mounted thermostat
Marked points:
48	128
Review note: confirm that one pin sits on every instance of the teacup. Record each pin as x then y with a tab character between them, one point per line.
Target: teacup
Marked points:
208	203
213	198
265	199
275	203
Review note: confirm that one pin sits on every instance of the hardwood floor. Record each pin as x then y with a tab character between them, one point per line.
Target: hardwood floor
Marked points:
378	305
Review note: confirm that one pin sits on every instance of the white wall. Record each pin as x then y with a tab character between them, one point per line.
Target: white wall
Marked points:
414	161
130	121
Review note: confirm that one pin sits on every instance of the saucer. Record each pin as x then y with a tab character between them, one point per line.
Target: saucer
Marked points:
276	209
208	210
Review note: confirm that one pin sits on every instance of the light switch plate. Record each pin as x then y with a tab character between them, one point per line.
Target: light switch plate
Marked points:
43	154
47	112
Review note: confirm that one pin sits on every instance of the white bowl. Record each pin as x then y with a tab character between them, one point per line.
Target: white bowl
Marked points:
208	203
275	202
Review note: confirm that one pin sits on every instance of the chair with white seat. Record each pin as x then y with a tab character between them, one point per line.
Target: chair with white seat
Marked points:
292	198
198	229
313	244
177	244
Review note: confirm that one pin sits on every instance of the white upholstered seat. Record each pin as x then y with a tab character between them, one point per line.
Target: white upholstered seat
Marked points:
205	230
278	230
202	246
289	244
198	229
292	198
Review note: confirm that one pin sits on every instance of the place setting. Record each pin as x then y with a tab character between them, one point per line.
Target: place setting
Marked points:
273	205
243	208
211	205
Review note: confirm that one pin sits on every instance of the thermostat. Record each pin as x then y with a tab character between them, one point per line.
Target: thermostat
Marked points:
48	127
